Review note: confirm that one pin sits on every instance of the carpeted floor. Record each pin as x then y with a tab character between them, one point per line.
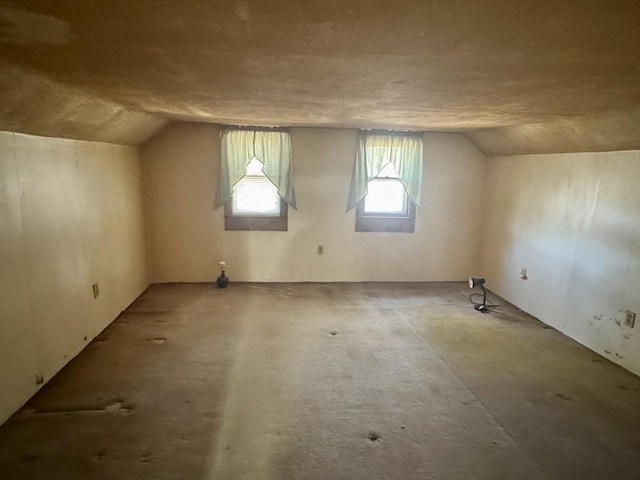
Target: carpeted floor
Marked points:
327	381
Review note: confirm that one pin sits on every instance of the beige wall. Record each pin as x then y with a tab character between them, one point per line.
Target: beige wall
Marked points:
70	215
573	221
187	237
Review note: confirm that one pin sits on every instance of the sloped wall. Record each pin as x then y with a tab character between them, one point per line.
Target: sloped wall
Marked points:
187	238
71	215
573	220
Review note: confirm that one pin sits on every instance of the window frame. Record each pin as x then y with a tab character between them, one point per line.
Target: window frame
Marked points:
264	222
401	222
253	177
387	178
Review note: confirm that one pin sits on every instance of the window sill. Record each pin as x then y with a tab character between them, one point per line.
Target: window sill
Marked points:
275	224
399	223
385	224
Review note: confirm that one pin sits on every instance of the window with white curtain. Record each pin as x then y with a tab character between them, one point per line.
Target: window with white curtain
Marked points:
387	181
256	178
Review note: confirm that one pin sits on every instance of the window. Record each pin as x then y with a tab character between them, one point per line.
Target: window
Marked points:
255	179
255	203
255	195
386	207
386	194
386	182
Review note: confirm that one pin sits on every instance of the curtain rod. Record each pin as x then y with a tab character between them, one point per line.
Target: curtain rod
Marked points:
399	133
252	128
367	131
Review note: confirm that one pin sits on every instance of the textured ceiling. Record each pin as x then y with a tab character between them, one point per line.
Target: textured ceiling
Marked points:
509	72
30	103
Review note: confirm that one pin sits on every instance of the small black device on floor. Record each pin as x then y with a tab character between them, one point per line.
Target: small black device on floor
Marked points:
480	307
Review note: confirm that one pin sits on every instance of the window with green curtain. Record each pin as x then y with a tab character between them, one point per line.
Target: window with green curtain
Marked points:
272	147
375	151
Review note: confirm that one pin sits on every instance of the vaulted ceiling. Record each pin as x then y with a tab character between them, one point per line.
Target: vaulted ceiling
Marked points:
515	76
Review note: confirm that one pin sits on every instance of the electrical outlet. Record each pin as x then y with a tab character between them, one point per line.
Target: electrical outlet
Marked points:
320	250
629	319
96	290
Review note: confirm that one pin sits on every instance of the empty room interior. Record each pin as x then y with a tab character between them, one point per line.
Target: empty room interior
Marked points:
320	240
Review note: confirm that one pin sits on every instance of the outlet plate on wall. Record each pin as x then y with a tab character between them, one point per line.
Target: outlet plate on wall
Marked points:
629	319
96	290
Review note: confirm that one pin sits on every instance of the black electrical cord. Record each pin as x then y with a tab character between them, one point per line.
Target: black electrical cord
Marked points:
488	305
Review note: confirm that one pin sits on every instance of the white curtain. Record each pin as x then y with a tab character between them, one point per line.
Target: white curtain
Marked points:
272	148
403	151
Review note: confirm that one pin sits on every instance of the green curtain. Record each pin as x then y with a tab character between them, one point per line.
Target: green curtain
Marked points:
375	150
273	148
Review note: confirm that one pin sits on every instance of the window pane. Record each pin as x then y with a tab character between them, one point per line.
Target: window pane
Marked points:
385	196
255	196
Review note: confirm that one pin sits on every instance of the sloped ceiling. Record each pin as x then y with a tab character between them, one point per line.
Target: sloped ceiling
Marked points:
31	103
515	76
